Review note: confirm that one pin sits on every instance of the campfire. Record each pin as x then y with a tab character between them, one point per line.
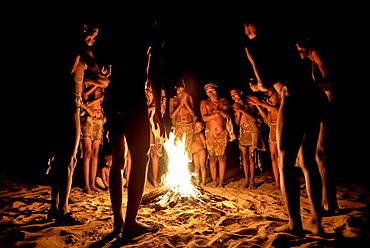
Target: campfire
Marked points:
178	185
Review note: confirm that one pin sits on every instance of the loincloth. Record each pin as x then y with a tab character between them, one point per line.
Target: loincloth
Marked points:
216	143
246	138
250	136
188	130
92	128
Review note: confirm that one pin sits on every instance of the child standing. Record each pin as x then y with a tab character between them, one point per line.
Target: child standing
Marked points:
199	153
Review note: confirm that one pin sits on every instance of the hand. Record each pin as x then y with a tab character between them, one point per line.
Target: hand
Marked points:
236	107
107	71
253	99
89	111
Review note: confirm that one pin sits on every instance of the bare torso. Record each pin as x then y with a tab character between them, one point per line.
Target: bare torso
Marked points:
198	142
183	115
212	116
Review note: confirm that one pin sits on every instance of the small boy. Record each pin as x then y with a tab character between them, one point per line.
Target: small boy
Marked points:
199	153
102	179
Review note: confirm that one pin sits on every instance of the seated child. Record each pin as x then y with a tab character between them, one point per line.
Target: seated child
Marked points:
102	178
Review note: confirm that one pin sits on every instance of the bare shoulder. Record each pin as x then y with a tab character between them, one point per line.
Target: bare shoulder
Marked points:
204	102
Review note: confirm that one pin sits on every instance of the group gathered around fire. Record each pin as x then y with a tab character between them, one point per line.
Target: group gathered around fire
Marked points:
290	94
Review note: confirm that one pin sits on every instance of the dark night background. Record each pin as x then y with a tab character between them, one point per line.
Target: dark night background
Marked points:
203	44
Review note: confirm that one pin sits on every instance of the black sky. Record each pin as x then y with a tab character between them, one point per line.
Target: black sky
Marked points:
203	42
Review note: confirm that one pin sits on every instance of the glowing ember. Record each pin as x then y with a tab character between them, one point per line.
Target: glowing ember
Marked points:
178	177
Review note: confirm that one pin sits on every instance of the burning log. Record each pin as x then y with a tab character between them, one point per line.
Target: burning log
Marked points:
164	197
179	187
154	194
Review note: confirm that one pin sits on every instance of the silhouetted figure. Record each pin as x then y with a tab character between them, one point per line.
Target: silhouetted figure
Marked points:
68	121
128	122
298	125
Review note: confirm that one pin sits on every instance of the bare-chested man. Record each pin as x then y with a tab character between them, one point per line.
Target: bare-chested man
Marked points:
182	115
215	113
129	128
70	126
324	151
298	125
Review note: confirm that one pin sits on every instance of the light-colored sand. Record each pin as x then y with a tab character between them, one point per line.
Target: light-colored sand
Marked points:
245	218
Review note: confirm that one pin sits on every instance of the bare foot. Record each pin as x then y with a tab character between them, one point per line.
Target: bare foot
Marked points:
137	230
87	190
286	229
312	227
277	186
220	185
245	185
329	211
155	184
94	188
213	184
252	186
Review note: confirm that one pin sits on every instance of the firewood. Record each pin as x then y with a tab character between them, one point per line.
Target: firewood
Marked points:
152	195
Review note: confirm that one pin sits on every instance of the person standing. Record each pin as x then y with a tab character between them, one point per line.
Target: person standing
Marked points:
325	148
69	124
156	141
298	124
269	110
129	128
92	134
215	113
182	114
199	151
249	135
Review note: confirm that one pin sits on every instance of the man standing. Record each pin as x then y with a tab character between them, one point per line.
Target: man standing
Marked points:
215	113
298	124
69	125
129	128
182	115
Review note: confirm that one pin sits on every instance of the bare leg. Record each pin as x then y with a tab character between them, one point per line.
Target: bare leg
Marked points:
155	164
251	166
66	183
86	163
196	168
329	197
119	147
202	164
274	163
128	163
245	162
289	137
140	156
213	169
66	162
313	180
222	165
94	164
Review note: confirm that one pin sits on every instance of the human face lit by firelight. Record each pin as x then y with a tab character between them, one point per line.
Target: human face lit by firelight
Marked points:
235	95
211	92
90	38
198	127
